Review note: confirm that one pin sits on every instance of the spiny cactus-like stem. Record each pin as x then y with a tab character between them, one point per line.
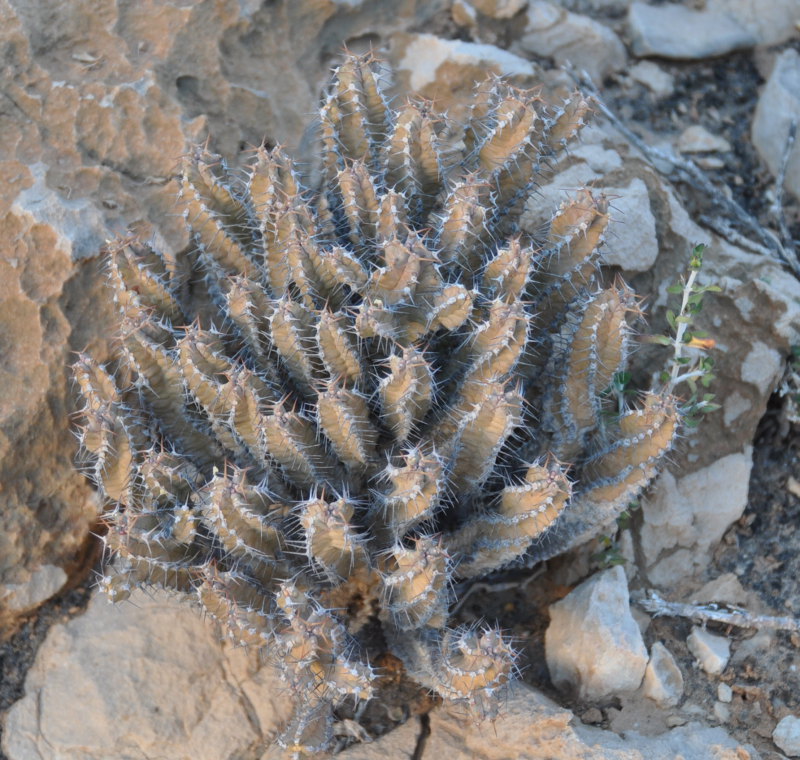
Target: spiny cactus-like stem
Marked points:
366	393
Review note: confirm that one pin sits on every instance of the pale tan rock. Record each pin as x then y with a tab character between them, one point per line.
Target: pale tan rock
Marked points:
593	645
690	514
552	32
674	31
44	582
660	82
697	139
772	22
149	679
711	651
447	70
663	680
724	589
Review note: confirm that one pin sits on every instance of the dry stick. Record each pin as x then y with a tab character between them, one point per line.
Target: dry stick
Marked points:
777	206
684	170
711	613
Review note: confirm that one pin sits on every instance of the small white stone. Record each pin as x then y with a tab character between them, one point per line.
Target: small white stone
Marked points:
724	692
661	83
697	139
722	712
787	736
593	645
712	652
663	680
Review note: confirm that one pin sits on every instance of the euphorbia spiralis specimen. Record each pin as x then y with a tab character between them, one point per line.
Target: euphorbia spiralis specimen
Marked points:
369	391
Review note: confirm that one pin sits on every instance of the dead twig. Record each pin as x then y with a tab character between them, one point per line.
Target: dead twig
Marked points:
677	168
714	613
777	206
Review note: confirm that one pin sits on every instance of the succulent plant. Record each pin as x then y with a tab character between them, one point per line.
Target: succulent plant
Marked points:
368	392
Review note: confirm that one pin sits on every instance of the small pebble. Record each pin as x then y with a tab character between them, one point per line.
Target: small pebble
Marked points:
724	692
722	712
710	163
592	716
787	736
697	139
676	720
712	652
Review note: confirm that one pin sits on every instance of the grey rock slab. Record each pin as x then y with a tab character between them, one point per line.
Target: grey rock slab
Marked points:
663	680
675	31
787	735
593	645
144	679
712	652
772	22
552	32
685	517
778	106
631	241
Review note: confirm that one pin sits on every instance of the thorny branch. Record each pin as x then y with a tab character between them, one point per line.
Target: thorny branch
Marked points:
676	168
713	613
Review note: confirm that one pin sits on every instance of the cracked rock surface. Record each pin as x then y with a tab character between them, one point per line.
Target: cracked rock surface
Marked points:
149	678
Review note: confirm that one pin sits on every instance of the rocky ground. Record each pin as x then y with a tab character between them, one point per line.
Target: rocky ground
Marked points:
97	102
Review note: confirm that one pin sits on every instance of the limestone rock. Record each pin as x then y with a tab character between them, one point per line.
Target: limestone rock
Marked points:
552	32
663	680
697	139
724	589
446	70
44	582
711	651
632	243
532	727
660	82
593	645
787	735
779	105
772	22
145	679
675	31
685	517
